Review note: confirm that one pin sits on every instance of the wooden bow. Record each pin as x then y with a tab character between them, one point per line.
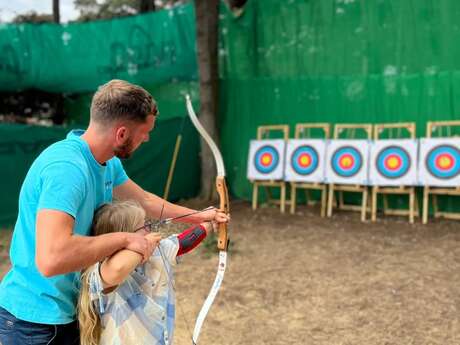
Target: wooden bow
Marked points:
222	242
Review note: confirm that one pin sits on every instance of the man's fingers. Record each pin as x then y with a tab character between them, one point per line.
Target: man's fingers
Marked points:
152	240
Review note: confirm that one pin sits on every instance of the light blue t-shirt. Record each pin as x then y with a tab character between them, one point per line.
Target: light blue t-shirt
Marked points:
64	177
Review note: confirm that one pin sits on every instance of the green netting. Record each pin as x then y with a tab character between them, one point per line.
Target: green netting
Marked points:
292	38
169	97
279	62
336	61
149	166
145	49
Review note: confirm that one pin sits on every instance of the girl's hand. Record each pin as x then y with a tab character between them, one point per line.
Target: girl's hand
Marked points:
215	215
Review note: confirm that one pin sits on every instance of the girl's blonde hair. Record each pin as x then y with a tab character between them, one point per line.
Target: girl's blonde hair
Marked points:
124	216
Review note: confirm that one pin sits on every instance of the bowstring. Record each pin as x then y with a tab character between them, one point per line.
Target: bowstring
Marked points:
170	280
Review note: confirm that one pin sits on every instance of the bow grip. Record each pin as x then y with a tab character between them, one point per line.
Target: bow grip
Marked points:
221	186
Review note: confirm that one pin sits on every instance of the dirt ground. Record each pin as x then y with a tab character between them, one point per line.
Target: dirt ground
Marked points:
301	279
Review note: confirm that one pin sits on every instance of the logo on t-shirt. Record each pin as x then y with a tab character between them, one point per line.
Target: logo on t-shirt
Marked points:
108	184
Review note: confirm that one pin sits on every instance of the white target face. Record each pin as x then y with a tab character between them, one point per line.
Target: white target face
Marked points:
347	161
305	160
439	163
266	159
393	162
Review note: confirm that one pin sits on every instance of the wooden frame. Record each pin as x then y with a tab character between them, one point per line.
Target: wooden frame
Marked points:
352	128
262	131
431	126
322	187
413	210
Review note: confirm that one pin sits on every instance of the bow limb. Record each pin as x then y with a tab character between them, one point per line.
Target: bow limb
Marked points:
222	243
221	185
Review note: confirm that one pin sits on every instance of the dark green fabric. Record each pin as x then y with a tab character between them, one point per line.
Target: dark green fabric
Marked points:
152	48
336	61
19	146
149	166
295	38
169	97
279	62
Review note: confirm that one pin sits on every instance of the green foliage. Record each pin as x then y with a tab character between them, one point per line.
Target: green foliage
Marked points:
93	9
106	9
33	17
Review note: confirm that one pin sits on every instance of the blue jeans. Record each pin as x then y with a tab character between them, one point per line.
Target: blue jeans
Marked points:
18	332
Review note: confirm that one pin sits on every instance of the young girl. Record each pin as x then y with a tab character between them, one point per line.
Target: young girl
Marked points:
123	301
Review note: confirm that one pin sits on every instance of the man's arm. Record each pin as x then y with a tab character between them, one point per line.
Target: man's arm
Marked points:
116	268
59	251
153	205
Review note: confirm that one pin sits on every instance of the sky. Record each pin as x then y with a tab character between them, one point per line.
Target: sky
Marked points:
10	8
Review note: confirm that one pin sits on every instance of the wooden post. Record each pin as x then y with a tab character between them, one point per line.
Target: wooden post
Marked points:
172	166
293	198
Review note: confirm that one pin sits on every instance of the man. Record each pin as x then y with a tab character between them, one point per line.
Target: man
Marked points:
64	186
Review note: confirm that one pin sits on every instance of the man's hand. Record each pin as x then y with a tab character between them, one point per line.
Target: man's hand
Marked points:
154	239
139	243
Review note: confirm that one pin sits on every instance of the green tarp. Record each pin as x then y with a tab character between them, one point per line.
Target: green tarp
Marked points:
336	61
170	98
146	49
149	166
280	62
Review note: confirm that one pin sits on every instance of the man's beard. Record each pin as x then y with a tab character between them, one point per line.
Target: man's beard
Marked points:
124	151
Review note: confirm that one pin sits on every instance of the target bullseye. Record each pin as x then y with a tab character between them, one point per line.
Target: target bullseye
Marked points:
346	161
393	162
304	160
443	161
266	159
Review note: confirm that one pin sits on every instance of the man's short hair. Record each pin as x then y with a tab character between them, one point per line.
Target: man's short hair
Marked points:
119	100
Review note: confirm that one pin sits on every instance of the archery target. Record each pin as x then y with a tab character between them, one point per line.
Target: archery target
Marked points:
305	160
393	162
439	163
266	159
347	161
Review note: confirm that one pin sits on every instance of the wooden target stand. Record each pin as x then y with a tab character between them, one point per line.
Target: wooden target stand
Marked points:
264	132
303	131
395	131
443	129
350	131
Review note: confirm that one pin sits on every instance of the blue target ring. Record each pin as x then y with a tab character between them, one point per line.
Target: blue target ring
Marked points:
393	162
443	161
346	161
304	160
266	159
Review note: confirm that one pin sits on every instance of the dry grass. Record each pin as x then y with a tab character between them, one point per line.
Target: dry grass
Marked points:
5	239
301	279
305	280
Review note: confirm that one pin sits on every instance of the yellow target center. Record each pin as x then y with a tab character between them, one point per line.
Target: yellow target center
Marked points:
393	162
305	160
445	162
266	159
347	162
